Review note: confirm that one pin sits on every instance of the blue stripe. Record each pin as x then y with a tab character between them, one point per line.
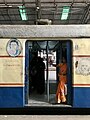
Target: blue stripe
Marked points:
81	97
11	97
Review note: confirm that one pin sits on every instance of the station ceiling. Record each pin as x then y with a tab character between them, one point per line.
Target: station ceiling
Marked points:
44	11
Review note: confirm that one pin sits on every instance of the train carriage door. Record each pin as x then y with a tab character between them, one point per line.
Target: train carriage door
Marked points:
63	49
69	73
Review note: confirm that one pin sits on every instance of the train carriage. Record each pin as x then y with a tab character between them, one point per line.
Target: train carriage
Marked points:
17	45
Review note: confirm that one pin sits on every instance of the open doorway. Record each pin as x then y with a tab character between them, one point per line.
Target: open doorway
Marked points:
41	78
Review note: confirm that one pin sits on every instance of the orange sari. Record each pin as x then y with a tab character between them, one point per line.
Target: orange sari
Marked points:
60	94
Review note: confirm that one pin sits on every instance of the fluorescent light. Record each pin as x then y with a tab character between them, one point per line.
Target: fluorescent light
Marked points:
65	13
23	12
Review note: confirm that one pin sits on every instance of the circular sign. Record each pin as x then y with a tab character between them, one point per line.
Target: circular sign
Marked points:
14	47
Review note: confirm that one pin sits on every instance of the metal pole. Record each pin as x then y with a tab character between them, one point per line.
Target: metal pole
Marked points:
38	8
47	73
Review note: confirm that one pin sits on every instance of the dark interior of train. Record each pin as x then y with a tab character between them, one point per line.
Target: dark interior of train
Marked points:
42	77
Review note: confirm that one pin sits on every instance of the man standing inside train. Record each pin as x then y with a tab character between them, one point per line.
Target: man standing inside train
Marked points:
60	93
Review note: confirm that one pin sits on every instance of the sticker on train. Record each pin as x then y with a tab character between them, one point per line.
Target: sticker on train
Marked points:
14	47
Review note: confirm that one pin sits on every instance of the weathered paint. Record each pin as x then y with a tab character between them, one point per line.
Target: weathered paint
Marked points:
12	68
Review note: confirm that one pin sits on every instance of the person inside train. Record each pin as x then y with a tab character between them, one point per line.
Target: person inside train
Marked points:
40	76
60	93
37	74
33	71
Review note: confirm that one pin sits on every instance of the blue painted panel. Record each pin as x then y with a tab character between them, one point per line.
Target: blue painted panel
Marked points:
69	73
81	97
11	97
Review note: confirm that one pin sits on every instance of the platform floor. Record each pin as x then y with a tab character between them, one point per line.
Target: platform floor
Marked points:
45	117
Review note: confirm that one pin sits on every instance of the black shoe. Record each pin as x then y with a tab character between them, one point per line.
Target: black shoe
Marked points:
64	103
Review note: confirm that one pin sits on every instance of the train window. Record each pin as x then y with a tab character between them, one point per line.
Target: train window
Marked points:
42	59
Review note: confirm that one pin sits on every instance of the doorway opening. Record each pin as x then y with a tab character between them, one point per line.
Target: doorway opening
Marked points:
41	77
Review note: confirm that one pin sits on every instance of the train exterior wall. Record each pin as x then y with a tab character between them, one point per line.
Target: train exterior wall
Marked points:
81	73
11	78
12	75
12	71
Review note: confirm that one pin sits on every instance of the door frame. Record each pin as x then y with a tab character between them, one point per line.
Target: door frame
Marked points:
69	73
26	81
69	62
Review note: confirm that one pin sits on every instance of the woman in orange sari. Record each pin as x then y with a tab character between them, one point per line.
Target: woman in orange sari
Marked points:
60	93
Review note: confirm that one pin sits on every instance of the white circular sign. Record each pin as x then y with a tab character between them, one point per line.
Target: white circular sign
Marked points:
14	47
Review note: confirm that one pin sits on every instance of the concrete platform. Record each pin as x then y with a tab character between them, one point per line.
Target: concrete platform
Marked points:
44	117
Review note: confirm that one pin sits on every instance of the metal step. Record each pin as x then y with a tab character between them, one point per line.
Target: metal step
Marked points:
41	100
